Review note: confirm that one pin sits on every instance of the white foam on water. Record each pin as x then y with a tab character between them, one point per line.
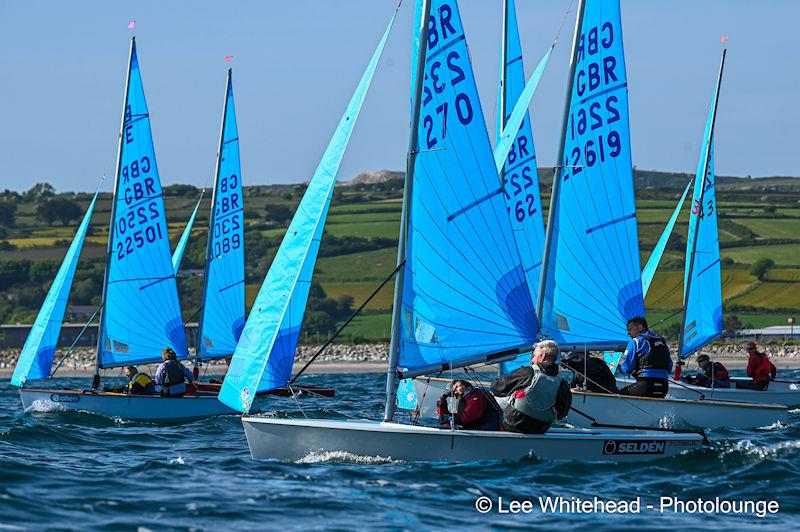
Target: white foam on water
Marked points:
179	460
342	456
749	448
40	405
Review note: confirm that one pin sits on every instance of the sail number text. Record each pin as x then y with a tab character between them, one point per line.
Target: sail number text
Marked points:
227	213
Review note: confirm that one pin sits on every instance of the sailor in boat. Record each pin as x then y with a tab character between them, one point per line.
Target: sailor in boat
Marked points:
172	375
538	395
647	358
138	383
590	373
464	406
714	375
759	368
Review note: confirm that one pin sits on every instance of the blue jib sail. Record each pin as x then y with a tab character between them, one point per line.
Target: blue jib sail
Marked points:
264	356
515	156
703	300
142	314
177	255
465	290
650	268
36	357
223	298
593	279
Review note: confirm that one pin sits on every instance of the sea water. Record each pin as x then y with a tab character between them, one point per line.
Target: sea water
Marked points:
69	470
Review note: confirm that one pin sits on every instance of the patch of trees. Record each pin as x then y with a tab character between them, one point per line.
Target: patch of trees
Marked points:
761	267
58	208
323	313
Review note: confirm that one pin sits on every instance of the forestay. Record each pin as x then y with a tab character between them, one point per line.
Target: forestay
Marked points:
223	297
658	251
465	291
36	357
515	158
142	314
703	285
177	255
265	353
593	278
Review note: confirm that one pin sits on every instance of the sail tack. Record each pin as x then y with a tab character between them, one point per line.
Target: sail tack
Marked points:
141	314
223	298
36	357
465	290
264	356
593	276
702	320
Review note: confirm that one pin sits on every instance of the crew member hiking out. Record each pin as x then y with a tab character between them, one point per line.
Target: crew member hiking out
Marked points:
172	375
714	375
537	394
759	368
647	359
467	407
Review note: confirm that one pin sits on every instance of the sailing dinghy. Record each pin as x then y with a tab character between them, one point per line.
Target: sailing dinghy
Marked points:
461	291
140	312
592	281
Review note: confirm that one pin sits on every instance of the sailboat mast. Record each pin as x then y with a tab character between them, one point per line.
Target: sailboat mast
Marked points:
212	218
394	345
696	227
501	108
110	249
557	170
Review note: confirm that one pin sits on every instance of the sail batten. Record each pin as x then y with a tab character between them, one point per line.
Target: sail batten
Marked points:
592	280
36	357
141	312
223	304
264	355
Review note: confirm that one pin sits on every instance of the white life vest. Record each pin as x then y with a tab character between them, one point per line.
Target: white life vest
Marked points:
538	400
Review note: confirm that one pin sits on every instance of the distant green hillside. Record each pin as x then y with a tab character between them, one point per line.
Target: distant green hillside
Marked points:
759	218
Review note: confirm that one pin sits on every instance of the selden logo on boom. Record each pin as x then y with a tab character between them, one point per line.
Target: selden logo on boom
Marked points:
59	398
634	447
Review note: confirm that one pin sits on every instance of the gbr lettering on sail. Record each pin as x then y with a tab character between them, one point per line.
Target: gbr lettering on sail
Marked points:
597	131
139	218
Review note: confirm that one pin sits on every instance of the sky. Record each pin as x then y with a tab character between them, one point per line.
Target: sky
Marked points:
295	65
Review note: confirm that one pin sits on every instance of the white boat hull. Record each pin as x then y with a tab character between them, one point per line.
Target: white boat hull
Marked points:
637	411
117	405
296	439
778	393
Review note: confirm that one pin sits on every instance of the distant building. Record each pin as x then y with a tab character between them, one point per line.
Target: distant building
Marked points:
776	331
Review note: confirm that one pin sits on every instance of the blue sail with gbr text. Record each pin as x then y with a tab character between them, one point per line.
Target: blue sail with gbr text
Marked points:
142	314
703	299
593	279
264	356
465	290
223	299
36	357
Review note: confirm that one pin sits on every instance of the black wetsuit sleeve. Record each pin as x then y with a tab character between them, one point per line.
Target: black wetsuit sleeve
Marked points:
563	400
516	380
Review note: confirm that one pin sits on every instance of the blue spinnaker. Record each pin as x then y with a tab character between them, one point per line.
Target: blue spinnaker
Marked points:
142	314
593	280
703	301
658	251
36	357
465	291
177	255
264	356
223	298
515	156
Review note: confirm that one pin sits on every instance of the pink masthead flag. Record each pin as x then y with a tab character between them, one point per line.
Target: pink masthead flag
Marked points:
132	25
228	58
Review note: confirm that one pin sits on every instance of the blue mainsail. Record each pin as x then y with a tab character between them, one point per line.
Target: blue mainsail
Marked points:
515	157
593	276
141	314
177	255
655	257
465	291
223	297
264	356
702	320
36	357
